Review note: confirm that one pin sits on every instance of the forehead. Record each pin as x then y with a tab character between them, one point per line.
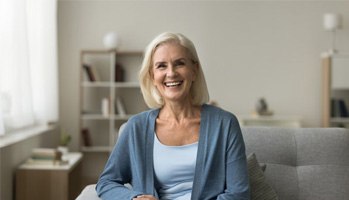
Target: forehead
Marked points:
170	50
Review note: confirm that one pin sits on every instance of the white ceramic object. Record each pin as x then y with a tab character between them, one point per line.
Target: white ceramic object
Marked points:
111	40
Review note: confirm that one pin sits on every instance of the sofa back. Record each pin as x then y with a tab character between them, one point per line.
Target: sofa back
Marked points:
303	163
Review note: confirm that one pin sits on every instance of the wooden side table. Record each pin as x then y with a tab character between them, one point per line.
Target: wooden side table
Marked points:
48	181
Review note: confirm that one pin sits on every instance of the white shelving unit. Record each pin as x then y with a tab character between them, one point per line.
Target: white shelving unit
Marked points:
101	81
335	86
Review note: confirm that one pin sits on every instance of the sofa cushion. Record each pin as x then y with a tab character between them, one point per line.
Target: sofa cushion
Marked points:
319	146
322	182
259	188
273	145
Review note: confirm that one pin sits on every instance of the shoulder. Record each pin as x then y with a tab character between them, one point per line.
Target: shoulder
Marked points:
218	113
143	117
140	123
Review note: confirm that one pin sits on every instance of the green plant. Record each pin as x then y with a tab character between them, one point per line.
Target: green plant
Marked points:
65	138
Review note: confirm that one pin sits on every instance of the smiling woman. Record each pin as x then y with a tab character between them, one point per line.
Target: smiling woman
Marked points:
182	148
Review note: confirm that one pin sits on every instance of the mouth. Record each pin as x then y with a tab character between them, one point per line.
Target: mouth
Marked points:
173	84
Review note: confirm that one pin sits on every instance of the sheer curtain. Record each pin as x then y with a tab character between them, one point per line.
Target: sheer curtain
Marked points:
28	63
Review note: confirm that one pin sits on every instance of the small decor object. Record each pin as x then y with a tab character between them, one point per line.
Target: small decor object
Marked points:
105	107
64	141
111	40
262	108
332	22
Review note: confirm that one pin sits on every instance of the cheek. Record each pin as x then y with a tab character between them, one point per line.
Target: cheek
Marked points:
157	79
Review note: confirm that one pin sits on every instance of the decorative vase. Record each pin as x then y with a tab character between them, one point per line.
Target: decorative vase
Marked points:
111	40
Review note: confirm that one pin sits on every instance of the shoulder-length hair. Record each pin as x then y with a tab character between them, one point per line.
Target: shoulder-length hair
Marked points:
198	93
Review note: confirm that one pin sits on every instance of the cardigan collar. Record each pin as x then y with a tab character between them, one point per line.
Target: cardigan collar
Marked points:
200	157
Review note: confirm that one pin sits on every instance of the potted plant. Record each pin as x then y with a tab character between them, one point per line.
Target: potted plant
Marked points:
65	139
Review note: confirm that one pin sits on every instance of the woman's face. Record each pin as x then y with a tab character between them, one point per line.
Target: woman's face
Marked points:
173	72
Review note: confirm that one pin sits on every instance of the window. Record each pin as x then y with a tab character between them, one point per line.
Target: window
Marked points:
28	63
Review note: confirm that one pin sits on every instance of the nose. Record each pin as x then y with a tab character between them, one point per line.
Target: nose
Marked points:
171	72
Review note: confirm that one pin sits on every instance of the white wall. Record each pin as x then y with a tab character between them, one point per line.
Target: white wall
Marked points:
13	155
249	49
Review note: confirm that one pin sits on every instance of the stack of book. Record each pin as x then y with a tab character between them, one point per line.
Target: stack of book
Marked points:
338	108
46	156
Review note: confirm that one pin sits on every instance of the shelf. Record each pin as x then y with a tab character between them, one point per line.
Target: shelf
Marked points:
343	120
118	53
272	121
94	117
102	117
126	85
109	84
95	84
121	117
97	149
335	90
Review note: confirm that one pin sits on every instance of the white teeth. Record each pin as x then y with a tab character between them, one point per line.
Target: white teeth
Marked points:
172	84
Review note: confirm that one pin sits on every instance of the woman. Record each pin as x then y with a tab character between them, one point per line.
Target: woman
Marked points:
183	148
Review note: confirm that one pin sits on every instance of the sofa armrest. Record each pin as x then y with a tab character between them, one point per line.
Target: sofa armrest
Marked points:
88	193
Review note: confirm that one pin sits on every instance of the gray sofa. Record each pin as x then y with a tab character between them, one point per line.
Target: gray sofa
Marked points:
301	163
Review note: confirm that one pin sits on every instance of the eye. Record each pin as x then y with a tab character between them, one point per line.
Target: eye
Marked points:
160	66
179	62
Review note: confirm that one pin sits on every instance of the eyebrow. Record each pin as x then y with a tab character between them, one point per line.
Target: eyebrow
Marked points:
162	62
159	63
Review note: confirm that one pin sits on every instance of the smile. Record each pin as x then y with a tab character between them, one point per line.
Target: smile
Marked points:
173	84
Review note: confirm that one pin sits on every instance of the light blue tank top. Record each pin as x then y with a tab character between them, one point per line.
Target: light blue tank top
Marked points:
174	168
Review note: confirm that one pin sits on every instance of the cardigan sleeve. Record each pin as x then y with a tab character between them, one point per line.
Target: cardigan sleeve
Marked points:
117	172
237	184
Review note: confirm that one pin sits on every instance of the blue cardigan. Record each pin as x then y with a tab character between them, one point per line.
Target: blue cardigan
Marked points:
221	169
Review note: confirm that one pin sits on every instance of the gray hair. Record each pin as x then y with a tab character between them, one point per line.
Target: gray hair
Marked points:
199	92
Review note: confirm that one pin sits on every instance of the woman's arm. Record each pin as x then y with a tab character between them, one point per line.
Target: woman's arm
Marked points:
237	184
117	172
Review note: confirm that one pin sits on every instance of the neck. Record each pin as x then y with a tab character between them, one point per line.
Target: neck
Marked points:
178	112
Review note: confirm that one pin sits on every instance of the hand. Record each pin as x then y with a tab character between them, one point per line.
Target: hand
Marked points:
145	197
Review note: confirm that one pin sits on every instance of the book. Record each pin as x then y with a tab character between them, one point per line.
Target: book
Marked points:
339	108
89	72
120	108
95	73
86	137
119	73
343	108
46	154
